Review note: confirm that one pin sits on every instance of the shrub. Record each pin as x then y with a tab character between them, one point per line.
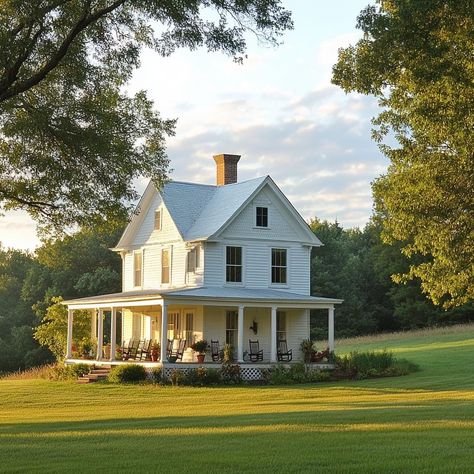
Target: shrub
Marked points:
201	377
156	375
230	373
68	372
127	373
176	377
296	373
362	365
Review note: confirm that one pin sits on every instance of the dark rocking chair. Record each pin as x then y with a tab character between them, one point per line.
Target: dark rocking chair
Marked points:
283	354
255	353
174	355
217	354
144	352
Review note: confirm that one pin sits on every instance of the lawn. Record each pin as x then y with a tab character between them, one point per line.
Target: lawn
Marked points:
422	422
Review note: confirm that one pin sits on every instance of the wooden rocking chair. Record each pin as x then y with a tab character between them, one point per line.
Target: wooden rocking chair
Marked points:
283	354
255	353
217	354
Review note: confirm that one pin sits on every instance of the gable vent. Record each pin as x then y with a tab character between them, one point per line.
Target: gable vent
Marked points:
226	168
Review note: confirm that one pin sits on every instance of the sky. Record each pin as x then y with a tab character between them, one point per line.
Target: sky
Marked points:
278	110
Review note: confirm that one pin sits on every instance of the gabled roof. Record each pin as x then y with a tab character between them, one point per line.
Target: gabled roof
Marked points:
201	212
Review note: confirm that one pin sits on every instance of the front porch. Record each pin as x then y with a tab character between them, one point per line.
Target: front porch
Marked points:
232	318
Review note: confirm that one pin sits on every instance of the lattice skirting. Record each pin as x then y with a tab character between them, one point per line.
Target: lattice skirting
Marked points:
248	373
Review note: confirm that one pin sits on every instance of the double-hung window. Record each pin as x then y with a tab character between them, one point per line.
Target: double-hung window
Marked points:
261	216
137	268
233	265
279	266
165	266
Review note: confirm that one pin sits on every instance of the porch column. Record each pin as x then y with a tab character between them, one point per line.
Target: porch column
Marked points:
240	335
331	328
273	335
164	331
100	334
69	333
113	332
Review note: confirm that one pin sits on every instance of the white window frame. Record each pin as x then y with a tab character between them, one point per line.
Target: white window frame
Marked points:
141	253
279	285
266	204
196	250
234	283
170	262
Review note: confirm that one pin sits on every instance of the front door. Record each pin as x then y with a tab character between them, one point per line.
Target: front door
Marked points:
181	325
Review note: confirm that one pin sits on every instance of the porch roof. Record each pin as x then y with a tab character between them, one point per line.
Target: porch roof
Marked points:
203	295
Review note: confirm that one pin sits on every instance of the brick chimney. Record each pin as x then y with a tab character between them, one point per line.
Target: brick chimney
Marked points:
226	168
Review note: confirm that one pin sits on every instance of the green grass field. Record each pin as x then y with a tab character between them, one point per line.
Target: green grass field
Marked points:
423	422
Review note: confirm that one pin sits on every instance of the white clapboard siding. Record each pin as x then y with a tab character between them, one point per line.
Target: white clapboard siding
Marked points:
281	223
127	276
297	329
146	233
257	265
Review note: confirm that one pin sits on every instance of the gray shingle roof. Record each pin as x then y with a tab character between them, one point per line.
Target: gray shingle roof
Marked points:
199	210
208	293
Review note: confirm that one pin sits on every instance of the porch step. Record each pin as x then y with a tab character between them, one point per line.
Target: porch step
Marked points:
95	374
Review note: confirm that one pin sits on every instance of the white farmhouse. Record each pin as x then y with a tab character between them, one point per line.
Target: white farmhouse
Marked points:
228	262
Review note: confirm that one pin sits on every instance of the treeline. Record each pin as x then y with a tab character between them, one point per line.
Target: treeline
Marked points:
356	266
71	267
353	265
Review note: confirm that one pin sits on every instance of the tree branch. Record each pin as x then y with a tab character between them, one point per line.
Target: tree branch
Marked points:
56	58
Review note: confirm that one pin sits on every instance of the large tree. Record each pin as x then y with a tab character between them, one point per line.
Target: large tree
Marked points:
417	57
71	139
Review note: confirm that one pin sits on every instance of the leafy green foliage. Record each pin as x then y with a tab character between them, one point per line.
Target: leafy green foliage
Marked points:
71	140
127	373
357	266
362	365
52	332
68	372
416	57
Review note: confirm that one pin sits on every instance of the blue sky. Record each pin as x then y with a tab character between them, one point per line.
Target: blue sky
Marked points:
278	110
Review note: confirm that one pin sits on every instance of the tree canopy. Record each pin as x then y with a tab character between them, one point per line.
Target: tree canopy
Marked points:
418	59
71	139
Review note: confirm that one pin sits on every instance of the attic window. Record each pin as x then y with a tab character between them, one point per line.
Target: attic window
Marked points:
261	217
158	219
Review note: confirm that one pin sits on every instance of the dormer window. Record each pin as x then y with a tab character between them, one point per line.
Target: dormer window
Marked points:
261	216
158	217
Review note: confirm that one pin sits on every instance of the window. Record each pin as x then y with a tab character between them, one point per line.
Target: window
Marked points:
281	326
137	268
231	328
233	264
158	220
165	266
279	266
193	259
262	216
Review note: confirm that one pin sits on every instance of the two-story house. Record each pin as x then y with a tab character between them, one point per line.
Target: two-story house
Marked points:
227	262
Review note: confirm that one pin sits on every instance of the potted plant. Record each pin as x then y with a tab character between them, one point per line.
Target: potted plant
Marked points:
200	347
155	351
85	348
306	347
228	354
